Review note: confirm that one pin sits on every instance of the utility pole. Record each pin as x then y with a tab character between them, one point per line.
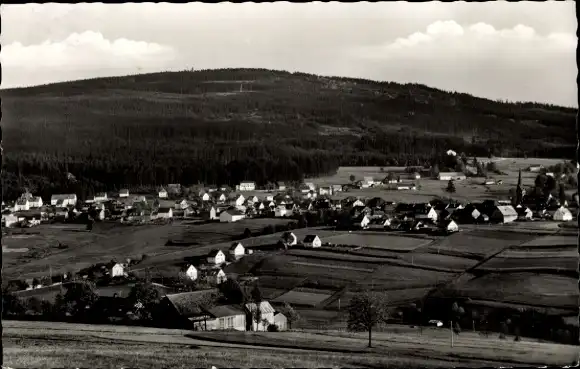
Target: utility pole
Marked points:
451	329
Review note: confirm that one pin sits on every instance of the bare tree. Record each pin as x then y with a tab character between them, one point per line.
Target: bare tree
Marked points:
365	311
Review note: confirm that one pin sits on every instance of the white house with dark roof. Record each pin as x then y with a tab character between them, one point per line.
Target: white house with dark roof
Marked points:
162	193
22	204
247	186
165	213
124	192
237	249
63	200
36	202
190	272
447	176
266	313
216	257
101	196
231	215
312	241
504	214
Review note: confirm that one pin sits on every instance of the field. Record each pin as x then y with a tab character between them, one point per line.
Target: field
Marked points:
386	242
476	244
552	241
394	297
452	263
522	263
300	298
36	344
522	288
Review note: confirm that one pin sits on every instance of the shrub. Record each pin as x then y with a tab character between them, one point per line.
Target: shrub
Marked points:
273	328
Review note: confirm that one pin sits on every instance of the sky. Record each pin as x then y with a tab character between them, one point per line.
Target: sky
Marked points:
520	51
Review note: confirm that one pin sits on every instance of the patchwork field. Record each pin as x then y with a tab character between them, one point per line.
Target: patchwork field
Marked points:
397	277
529	264
452	263
395	297
521	288
385	242
476	244
551	241
300	298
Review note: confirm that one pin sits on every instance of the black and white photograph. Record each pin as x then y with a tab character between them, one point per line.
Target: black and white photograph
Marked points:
289	185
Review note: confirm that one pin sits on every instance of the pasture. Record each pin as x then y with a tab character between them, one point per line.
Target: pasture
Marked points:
379	241
451	263
300	298
530	263
395	297
521	288
388	277
551	241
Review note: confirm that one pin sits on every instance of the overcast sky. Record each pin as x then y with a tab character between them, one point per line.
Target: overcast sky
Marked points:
522	51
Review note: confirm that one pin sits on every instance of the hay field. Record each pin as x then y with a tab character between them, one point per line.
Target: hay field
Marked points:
476	244
380	241
523	263
395	297
300	298
452	263
398	277
522	288
551	241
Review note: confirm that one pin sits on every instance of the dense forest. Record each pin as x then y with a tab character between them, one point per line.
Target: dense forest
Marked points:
224	126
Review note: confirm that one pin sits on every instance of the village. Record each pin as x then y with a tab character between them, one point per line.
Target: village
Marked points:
311	211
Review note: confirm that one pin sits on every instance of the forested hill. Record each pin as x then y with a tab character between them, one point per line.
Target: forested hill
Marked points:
223	126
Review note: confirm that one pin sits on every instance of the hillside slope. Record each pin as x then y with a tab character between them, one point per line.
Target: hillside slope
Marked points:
222	126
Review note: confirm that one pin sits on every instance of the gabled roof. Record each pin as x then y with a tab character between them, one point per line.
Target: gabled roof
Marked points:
222	311
213	253
233	212
164	210
310	238
188	304
507	210
235	245
265	307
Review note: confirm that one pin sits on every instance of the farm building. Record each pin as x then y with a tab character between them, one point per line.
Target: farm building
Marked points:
124	193
190	272
35	202
362	221
281	321
447	176
211	214
304	188
238	200
22	204
311	186
9	220
326	190
504	214
449	226
186	310
312	241
214	276
281	186
205	196
101	196
181	205
117	270
247	186
562	215
231	215
289	239
426	212
253	199
266	313
336	188
535	168
524	213
221	198
237	249
63	200
281	211
367	182
226	317
451	153
164	213
162	193
216	257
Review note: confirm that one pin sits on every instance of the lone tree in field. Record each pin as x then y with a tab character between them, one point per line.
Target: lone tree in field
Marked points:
450	186
352	177
365	311
291	315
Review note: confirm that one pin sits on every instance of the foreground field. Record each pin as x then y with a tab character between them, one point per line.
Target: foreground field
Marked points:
34	344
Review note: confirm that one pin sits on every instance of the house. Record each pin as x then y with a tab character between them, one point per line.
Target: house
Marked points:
211	214
447	176
281	211
165	213
451	153
362	221
231	215
63	200
187	310
336	188
367	182
35	202
504	214
409	186
124	192
22	204
281	186
162	193
289	239
562	215
181	205
550	174
239	200
221	198
311	241
449	226
205	196
253	200
357	203
237	250
425	213
101	196
247	186
327	190
9	220
489	182
524	213
535	168
269	197
225	317
190	272
117	270
311	186
216	257
266	313
214	276
280	321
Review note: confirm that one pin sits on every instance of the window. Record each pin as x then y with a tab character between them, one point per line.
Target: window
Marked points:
222	323
230	322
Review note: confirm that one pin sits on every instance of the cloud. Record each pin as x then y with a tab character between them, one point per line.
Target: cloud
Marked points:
87	53
514	63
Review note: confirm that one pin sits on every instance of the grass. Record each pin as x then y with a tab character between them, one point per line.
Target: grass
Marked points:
497	263
452	263
397	277
552	241
386	242
396	297
555	252
327	254
302	298
522	288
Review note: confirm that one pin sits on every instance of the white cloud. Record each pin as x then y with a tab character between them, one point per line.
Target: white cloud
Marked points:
87	52
514	63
